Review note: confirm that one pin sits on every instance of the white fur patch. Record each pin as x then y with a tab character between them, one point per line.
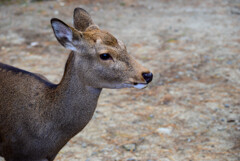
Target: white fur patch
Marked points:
140	86
120	43
70	46
99	41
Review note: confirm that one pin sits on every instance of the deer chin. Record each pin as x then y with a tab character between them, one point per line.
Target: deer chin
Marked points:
117	86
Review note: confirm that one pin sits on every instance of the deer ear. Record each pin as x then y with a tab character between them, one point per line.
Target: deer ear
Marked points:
81	19
65	34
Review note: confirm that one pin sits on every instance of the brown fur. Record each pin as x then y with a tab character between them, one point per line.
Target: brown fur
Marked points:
107	38
37	117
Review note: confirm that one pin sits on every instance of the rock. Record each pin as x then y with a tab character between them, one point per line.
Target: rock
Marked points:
129	147
56	12
221	128
230	121
34	44
226	105
61	4
84	145
131	159
150	7
164	130
180	73
94	153
235	10
151	116
229	62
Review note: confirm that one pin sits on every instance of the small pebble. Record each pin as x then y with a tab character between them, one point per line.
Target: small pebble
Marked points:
161	83
231	120
151	116
229	62
226	105
221	128
129	147
206	57
235	10
84	145
34	44
62	4
94	153
56	12
177	76
180	73
164	130
150	7
131	159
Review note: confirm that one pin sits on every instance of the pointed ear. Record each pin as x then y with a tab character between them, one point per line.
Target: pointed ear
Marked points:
82	19
65	34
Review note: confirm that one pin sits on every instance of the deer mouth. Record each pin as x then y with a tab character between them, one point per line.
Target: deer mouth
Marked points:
133	85
139	85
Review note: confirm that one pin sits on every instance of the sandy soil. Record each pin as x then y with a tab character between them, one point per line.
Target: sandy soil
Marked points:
190	112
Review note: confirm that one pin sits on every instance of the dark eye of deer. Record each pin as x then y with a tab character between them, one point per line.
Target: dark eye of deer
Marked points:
105	56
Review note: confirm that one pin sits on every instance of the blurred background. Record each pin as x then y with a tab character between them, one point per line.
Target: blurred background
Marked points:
191	110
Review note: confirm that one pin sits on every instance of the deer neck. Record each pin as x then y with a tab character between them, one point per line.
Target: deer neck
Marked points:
76	102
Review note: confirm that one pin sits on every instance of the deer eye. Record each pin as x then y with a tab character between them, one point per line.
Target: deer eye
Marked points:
105	56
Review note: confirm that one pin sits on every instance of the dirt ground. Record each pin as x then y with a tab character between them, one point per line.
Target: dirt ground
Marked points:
191	110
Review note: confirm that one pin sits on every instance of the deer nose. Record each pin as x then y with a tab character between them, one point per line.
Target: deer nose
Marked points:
148	77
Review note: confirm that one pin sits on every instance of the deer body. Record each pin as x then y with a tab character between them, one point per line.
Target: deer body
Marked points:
54	115
37	117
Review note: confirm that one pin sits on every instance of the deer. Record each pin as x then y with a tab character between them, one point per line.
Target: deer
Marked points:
37	117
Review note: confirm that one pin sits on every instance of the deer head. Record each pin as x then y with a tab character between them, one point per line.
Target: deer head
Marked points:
101	60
